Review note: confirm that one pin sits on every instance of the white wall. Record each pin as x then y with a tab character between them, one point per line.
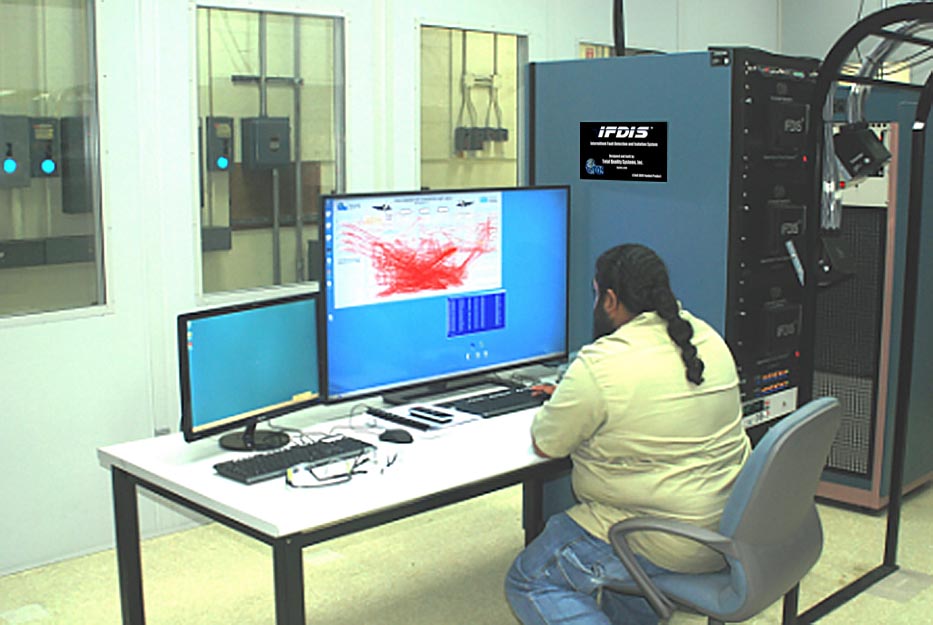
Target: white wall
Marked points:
73	381
811	28
682	25
722	22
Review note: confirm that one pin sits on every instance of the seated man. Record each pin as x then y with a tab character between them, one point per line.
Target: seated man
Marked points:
649	413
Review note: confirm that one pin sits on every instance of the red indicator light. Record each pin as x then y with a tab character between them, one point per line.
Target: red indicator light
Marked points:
796	354
804	158
842	184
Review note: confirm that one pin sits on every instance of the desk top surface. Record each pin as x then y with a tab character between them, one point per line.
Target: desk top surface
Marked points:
436	461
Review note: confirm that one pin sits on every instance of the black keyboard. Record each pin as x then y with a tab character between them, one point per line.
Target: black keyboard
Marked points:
273	464
498	402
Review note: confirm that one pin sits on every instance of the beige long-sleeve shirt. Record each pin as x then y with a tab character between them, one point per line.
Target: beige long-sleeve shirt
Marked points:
644	440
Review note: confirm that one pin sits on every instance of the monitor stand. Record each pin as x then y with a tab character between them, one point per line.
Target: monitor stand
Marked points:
435	390
251	440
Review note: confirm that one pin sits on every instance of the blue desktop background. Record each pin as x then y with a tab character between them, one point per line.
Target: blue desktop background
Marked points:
249	359
380	346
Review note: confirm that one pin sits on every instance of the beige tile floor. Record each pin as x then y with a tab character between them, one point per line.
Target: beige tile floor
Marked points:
440	568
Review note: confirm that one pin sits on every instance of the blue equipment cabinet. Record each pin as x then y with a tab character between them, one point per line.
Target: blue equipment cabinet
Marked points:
700	156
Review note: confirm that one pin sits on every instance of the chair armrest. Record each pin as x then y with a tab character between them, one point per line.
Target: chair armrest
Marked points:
663	606
708	538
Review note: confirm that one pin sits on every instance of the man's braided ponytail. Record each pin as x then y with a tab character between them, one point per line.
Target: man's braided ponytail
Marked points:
640	280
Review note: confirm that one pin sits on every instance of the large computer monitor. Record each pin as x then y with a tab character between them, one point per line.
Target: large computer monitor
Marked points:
243	364
424	288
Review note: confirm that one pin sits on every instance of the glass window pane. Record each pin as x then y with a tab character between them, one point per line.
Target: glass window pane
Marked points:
469	108
50	229
269	100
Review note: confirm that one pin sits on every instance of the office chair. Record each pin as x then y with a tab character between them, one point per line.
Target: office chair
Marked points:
769	534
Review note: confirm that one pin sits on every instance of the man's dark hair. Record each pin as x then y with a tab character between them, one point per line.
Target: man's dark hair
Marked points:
640	281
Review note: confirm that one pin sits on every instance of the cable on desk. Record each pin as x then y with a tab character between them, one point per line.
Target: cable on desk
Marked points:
330	480
313	436
370	428
305	436
287	430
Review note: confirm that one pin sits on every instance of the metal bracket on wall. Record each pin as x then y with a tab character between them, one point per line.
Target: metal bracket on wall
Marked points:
291	81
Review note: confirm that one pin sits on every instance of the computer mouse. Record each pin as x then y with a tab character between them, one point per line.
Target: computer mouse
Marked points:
396	435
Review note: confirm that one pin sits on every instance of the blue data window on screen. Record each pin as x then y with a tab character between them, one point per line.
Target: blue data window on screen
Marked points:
475	313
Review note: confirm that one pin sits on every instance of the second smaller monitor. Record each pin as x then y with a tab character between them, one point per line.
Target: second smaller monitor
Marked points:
247	363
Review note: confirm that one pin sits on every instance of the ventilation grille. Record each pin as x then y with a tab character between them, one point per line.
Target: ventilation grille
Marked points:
852	450
848	331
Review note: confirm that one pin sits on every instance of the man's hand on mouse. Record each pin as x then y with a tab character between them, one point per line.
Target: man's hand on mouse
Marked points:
543	389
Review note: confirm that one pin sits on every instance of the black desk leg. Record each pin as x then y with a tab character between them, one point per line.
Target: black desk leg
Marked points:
789	616
289	583
129	563
532	508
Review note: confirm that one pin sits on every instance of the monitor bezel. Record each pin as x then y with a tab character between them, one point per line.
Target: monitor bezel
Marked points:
184	371
441	379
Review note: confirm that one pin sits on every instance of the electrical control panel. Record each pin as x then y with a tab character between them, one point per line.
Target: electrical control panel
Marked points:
14	151
45	147
266	142
219	143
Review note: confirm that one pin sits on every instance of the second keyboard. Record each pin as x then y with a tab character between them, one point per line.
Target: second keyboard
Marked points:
498	402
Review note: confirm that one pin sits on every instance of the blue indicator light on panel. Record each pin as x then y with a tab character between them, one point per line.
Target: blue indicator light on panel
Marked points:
48	166
223	162
9	165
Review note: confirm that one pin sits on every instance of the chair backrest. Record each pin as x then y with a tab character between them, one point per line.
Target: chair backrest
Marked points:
771	515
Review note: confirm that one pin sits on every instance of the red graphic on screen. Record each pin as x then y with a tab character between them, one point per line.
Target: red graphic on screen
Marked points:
423	263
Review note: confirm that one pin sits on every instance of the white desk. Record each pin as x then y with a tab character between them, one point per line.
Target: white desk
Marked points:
438	469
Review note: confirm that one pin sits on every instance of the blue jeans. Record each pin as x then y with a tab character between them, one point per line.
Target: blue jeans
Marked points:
558	578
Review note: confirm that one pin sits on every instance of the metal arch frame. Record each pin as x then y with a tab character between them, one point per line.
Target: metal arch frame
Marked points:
874	25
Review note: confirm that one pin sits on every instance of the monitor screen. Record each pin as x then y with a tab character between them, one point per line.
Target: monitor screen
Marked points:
431	286
243	364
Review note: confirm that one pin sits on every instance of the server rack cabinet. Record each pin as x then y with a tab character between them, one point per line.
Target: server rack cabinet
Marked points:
700	156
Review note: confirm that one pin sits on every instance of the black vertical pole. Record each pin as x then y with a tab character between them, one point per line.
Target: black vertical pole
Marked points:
618	26
908	319
129	562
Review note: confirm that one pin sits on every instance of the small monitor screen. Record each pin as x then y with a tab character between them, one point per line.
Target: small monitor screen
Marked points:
247	363
422	287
